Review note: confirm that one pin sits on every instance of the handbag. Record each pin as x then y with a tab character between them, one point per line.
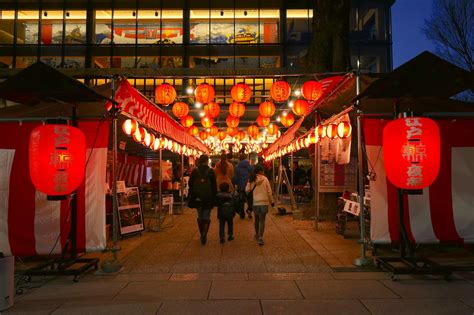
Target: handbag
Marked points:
250	197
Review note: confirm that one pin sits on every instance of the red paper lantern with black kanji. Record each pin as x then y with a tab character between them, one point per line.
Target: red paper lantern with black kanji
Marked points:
221	135
212	109
203	135
57	157
129	126
280	91
411	151
232	121
232	131
180	109
204	93
331	131
193	130
300	107
263	121
207	122
253	131
344	129
287	120
165	94
312	90
241	93
266	109
187	121
213	131
272	129
237	109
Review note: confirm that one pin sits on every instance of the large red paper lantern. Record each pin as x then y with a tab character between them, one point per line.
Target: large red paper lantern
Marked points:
287	120
237	109
411	150
232	121
221	135
280	91
180	109
213	131
203	135
312	90
129	126
57	156
241	93
300	107
187	121
204	93
193	130
165	94
212	109
253	131
263	121
207	122
272	129
266	109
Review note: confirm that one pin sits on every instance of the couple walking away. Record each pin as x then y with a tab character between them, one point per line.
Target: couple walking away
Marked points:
203	196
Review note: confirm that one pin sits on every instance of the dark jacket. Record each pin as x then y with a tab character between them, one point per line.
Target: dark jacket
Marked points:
225	205
241	174
209	202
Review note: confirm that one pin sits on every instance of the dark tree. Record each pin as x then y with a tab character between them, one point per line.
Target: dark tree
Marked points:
451	28
329	49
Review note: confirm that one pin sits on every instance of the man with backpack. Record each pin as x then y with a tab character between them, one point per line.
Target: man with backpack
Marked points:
202	193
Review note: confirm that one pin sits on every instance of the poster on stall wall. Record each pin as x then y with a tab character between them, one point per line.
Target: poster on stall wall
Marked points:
167	173
129	211
337	150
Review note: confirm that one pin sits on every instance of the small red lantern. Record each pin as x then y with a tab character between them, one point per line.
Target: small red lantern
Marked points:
57	157
203	135
241	93
232	121
321	131
139	134
280	91
312	90
221	135
253	131
263	121
213	131
149	140
287	120
331	131
272	129
237	109
193	130
300	107
165	94
266	109
313	138
187	121
344	129
207	122
411	151
204	93
180	109
129	126
232	131
212	109
240	135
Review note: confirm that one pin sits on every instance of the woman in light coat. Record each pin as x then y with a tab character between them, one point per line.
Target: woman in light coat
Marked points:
262	198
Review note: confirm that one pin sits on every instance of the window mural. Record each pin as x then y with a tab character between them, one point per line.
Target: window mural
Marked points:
223	33
52	33
128	33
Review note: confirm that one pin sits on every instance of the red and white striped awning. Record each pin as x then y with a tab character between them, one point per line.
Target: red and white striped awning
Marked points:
139	107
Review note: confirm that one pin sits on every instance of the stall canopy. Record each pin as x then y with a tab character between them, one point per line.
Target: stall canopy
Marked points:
138	106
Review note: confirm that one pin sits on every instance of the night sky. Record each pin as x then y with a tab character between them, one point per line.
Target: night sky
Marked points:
407	20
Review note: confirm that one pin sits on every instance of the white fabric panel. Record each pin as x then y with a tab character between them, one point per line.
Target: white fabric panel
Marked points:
420	218
462	183
379	231
47	224
95	199
6	162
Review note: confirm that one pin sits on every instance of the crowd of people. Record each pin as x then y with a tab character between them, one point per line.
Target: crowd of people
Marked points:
230	187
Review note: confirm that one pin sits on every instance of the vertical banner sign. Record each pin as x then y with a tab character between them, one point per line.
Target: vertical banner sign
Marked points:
57	155
411	149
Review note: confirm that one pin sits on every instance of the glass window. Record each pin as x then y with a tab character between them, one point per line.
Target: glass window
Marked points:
7	22
269	26
101	62
76	27
172	32
148	28
27	27
298	25
156	62
125	29
52	27
6	62
103	27
199	27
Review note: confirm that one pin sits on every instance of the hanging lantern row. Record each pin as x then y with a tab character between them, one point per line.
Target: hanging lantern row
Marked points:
131	128
341	130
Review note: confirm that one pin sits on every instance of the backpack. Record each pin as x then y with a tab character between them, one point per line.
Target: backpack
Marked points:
202	186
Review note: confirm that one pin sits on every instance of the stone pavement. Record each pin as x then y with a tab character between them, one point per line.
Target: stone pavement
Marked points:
169	272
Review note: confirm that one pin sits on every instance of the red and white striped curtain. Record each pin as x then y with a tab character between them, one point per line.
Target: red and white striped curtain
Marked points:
131	169
30	224
444	213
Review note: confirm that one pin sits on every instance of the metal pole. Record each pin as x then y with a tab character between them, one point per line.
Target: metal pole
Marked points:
273	175
316	174
114	264
182	183
160	195
291	168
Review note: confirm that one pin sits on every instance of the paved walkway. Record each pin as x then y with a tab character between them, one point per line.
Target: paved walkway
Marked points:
169	272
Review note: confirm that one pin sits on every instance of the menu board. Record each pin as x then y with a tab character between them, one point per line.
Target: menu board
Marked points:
337	177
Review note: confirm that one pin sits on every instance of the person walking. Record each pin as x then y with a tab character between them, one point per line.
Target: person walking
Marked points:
262	198
224	171
241	177
202	193
225	212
